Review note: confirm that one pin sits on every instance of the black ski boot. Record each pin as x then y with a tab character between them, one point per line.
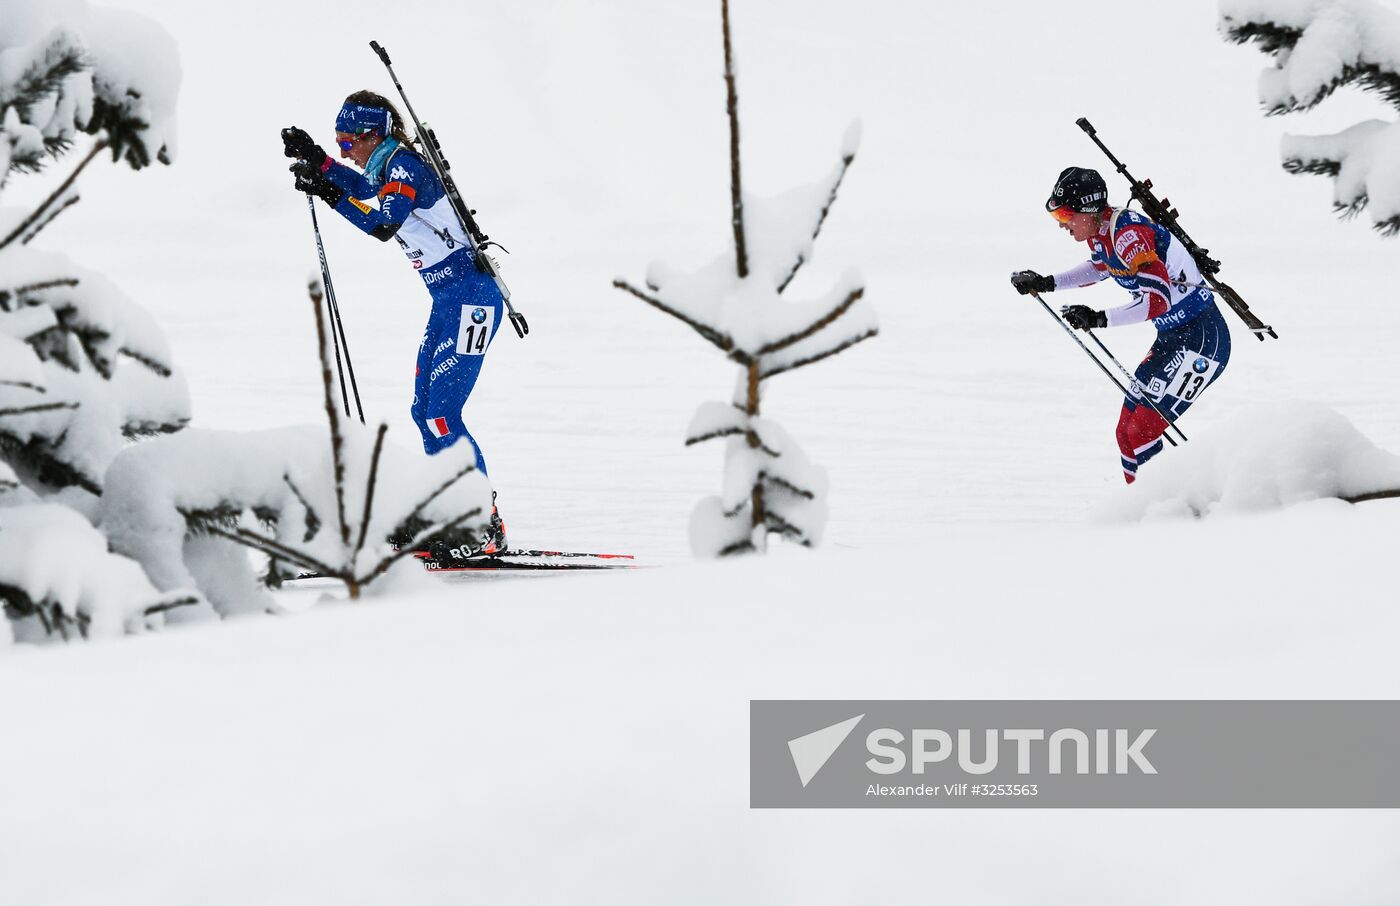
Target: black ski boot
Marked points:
464	545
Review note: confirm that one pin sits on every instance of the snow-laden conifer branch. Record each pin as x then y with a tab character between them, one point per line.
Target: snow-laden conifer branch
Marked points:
846	160
57	196
790	364
11	298
816	326
724	343
1319	46
39	407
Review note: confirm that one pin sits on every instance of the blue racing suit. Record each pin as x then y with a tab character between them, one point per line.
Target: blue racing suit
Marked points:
414	211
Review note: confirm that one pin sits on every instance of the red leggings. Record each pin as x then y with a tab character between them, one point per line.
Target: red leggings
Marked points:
1140	431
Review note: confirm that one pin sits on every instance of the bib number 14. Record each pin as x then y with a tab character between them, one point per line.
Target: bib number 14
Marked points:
474	334
1194	376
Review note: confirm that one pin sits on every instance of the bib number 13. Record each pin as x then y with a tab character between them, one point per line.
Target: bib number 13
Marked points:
1195	375
474	334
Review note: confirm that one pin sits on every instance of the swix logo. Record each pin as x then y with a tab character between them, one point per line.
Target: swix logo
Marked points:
398	173
432	277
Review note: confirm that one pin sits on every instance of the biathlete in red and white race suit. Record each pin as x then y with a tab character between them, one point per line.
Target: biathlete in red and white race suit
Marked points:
413	209
1193	341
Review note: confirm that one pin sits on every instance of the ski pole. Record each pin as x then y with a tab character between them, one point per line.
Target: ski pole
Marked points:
337	328
1108	374
432	150
1133	378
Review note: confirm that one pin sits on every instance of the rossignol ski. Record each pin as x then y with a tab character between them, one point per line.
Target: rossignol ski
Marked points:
480	242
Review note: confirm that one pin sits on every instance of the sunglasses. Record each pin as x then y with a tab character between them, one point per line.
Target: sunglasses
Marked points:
1062	214
347	143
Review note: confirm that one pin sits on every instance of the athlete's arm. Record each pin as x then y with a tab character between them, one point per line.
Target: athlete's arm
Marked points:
1086	274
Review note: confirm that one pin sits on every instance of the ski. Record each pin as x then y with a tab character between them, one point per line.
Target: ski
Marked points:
530	560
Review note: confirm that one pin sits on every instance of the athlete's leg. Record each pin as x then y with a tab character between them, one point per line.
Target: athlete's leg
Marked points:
466	315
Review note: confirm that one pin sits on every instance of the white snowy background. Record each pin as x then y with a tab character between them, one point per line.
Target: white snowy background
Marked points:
583	738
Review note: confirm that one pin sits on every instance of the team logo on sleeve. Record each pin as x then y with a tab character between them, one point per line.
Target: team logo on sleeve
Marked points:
438	427
364	208
398	173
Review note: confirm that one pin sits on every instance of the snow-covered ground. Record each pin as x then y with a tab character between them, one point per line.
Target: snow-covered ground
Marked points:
583	738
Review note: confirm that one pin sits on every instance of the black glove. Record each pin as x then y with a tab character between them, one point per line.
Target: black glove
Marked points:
296	143
1031	282
311	180
1082	317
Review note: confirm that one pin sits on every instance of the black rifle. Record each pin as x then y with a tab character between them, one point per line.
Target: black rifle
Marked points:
1162	212
432	150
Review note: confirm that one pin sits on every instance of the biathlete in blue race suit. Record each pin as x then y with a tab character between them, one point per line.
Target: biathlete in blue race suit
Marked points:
414	211
1193	341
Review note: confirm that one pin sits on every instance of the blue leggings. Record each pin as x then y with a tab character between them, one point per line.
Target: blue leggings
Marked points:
466	314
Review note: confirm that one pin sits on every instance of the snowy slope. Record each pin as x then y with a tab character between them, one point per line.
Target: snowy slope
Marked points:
582	738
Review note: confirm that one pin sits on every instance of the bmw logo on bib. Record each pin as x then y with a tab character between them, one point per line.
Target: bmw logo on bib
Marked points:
1200	366
479	317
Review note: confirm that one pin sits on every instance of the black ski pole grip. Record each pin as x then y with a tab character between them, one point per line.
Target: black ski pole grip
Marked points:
383	54
1083	123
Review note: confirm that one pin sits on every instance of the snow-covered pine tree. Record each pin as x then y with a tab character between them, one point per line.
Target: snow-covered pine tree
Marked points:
83	370
736	303
187	507
1317	48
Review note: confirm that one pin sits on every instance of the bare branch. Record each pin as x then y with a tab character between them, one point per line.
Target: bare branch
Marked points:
816	231
38	212
313	521
24	385
417	510
336	442
369	491
272	547
39	227
821	355
817	325
1374	495
42	407
736	192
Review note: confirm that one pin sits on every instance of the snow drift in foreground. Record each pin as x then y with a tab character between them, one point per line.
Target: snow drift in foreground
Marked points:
555	740
1272	456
